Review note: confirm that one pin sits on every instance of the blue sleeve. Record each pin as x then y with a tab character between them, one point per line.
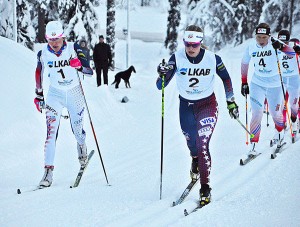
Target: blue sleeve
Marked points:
169	75
81	56
224	75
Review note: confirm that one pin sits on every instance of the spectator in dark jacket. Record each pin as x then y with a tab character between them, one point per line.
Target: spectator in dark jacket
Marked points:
102	60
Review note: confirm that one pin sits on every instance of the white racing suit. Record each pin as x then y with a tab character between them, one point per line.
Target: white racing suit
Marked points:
64	92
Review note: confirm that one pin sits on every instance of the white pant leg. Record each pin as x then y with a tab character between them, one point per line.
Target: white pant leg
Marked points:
275	102
292	87
54	105
76	108
257	98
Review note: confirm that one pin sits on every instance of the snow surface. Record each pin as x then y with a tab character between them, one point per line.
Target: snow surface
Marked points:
263	193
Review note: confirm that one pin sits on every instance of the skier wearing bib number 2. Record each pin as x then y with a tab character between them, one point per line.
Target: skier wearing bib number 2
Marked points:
61	59
195	69
265	83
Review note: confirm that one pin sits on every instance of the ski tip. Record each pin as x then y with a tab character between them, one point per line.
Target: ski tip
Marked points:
273	156
18	191
173	204
241	162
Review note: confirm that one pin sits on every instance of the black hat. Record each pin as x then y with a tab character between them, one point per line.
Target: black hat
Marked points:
263	29
284	35
101	37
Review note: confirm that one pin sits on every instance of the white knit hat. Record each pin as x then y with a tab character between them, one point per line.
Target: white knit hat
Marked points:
54	30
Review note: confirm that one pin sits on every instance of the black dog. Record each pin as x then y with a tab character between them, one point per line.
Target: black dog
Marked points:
125	75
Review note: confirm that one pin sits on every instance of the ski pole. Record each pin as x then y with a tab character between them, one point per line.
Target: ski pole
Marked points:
251	135
162	127
91	123
247	142
284	96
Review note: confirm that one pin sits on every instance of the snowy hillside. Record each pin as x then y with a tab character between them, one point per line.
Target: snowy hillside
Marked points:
263	193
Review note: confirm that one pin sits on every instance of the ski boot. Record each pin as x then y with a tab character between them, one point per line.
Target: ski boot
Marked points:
277	138
82	154
205	195
252	151
194	172
48	177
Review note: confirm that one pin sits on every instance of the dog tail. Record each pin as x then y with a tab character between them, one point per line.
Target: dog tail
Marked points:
114	82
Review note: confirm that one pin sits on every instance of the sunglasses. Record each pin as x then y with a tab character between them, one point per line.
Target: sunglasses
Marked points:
194	45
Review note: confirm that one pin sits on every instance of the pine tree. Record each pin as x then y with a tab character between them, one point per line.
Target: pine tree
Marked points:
6	20
110	28
173	23
90	22
25	31
281	14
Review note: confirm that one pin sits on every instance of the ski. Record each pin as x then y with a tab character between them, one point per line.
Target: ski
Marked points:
198	207
30	190
277	150
185	193
81	171
248	159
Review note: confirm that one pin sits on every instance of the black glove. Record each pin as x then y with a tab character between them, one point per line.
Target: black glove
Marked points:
245	89
162	69
276	44
297	49
233	109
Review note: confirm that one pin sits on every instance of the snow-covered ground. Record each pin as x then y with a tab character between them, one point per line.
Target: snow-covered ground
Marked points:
263	193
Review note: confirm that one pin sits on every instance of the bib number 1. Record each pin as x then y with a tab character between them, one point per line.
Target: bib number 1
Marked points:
62	73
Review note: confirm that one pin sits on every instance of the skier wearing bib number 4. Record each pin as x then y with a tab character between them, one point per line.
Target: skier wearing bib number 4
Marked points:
195	69
265	83
61	59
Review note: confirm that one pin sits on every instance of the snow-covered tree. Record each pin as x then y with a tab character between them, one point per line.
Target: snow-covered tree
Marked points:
281	14
25	31
80	20
110	28
90	22
173	24
6	19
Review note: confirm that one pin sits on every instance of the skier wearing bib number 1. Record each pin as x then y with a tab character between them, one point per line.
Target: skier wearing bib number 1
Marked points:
265	83
61	59
195	69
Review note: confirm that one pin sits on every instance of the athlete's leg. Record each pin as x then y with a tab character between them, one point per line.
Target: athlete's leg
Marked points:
257	98
76	107
53	112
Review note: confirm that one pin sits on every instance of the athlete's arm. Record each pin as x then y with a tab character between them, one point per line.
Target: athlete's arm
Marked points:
224	75
169	75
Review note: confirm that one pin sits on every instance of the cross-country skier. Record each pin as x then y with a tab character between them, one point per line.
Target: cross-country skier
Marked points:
195	69
297	50
61	59
265	83
290	76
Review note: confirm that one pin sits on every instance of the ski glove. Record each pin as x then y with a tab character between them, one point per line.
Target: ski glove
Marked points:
233	109
276	44
297	49
162	69
75	63
245	89
39	101
86	71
